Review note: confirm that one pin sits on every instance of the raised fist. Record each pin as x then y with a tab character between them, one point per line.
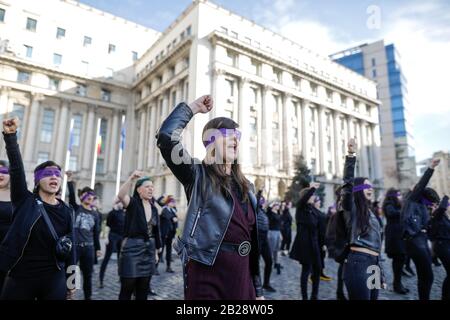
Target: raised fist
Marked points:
10	125
351	146
434	163
203	104
136	175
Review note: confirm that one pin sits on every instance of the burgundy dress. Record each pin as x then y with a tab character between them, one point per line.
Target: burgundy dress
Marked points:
229	278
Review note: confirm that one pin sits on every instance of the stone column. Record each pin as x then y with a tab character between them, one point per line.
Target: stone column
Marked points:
364	156
376	148
90	138
322	144
141	153
115	142
267	113
244	115
337	144
304	127
32	130
152	150
286	126
63	132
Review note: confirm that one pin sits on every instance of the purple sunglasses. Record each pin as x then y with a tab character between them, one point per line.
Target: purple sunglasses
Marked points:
225	133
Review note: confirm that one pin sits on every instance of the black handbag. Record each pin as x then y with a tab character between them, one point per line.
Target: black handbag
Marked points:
63	244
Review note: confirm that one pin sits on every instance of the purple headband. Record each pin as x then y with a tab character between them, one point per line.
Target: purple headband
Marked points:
426	202
4	170
46	172
225	132
86	195
362	187
394	194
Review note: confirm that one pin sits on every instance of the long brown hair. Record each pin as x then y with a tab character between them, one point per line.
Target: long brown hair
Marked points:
217	171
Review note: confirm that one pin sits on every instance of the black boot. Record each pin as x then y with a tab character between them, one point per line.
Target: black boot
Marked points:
278	267
400	289
269	288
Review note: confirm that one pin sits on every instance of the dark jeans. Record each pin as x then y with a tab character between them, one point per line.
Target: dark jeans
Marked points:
340	281
114	245
442	249
287	239
138	286
418	250
398	261
85	256
315	271
167	243
267	257
49	287
356	276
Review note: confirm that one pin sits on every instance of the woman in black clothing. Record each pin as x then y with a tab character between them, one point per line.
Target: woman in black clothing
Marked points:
219	244
86	230
116	223
286	228
141	237
439	231
363	274
28	252
395	246
323	221
5	207
306	247
415	217
169	225
263	240
274	234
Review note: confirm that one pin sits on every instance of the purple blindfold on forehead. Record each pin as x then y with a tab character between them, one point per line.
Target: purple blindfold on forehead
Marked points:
426	202
86	195
46	172
362	187
225	132
4	170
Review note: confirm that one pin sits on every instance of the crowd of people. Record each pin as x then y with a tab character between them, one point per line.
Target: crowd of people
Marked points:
228	227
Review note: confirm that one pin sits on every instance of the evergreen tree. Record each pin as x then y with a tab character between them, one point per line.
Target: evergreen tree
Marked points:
301	179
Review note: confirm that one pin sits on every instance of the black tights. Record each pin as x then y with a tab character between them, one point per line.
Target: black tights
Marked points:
308	269
398	261
138	286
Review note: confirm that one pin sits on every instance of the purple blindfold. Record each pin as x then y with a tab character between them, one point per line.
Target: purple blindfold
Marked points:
393	194
225	133
46	172
426	202
86	195
362	187
4	170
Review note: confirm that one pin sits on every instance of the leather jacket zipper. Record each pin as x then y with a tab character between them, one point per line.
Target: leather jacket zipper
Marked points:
197	217
225	231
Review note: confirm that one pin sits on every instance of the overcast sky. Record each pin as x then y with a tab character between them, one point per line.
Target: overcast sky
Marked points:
420	30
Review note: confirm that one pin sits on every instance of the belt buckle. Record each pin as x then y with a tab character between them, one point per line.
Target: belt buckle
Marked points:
244	248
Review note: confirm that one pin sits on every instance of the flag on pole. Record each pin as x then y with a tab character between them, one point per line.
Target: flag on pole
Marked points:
123	133
99	144
122	147
97	151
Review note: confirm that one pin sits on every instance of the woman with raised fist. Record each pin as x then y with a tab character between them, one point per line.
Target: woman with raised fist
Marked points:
219	246
363	275
36	265
142	238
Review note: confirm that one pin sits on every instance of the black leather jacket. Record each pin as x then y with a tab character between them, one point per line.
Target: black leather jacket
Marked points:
209	212
371	238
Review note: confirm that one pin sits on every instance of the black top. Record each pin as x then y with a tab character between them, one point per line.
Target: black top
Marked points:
286	219
274	220
440	223
87	222
116	221
38	257
5	218
136	225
